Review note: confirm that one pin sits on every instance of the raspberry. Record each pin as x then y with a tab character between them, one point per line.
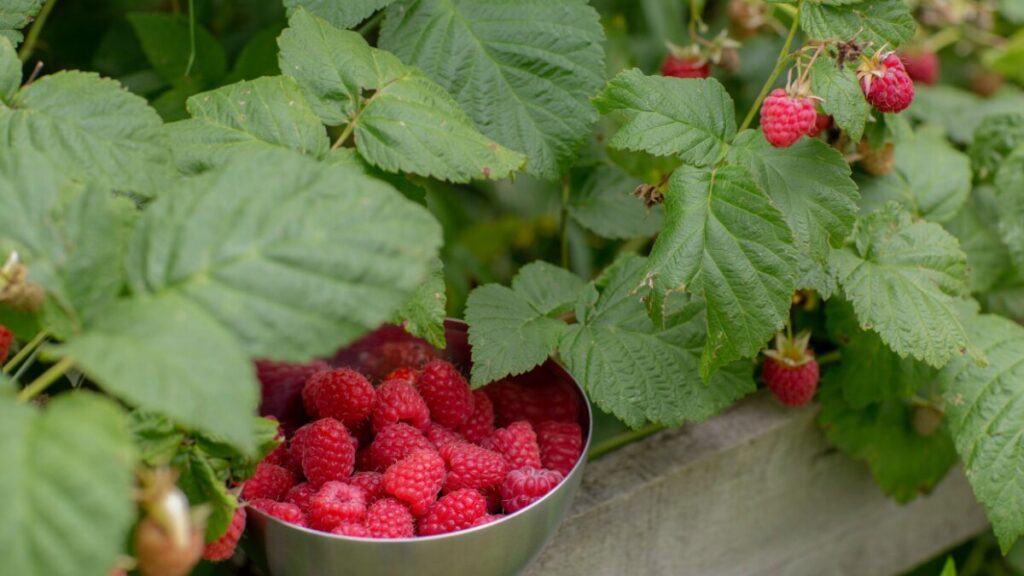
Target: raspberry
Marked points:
278	456
6	339
561	444
440	436
686	67
416	480
407	374
525	486
371	482
486	519
471	466
885	83
389	518
517	442
921	65
790	370
785	117
300	495
480	424
380	361
328	452
161	554
398	401
493	497
224	547
283	511
453	512
395	442
352	529
281	384
821	124
262	504
335	503
446	393
270	481
533	398
341	394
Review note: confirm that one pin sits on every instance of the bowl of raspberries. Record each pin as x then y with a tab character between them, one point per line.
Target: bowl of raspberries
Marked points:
391	464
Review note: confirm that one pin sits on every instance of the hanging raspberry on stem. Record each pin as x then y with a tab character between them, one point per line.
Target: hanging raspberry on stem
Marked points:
790	113
790	370
885	82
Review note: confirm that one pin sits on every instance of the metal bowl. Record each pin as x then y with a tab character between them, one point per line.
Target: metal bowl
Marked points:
501	548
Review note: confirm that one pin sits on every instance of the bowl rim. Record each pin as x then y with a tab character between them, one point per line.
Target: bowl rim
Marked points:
462	325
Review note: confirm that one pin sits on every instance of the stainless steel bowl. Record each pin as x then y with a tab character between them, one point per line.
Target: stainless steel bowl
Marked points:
502	548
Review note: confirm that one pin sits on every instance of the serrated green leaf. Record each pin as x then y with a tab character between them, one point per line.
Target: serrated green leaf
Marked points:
841	96
166	41
987	256
725	242
167	356
692	119
995	138
878	22
985	409
809	182
930	178
603	203
423	315
93	129
1009	198
343	14
157	440
15	15
10	70
637	373
296	258
201	485
958	111
67	478
512	329
240	118
902	277
408	124
904	463
530	96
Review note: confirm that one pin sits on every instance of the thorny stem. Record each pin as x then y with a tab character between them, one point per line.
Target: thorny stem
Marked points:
614	443
45	380
564	224
33	33
779	65
25	351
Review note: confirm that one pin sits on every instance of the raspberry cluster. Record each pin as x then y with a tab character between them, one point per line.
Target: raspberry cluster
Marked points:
405	448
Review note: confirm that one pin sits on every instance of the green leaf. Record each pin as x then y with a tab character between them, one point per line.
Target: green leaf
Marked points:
167	356
841	96
201	485
691	119
930	178
960	112
93	129
949	569
724	241
294	257
512	329
166	41
258	57
637	373
987	256
156	438
995	138
903	462
15	15
10	70
530	96
876	22
985	409
237	119
1009	198
344	14
66	481
423	315
603	203
407	124
810	184
902	277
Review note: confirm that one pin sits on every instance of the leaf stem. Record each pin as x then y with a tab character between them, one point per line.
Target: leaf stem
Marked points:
45	380
618	441
829	357
372	23
564	223
779	65
33	33
345	134
25	351
191	38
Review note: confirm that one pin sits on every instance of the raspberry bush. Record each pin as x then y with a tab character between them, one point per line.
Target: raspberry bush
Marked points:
186	190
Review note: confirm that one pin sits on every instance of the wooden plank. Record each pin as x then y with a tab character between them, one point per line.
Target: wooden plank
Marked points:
755	491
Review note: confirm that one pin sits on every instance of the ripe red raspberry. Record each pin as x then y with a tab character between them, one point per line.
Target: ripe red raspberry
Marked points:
380	361
389	518
446	393
517	442
921	65
336	502
352	529
398	401
525	486
486	519
407	374
300	495
278	456
395	442
480	424
790	370
785	117
295	449
440	436
371	482
822	123
685	67
453	512
534	398
281	384
341	394
328	452
416	480
224	547
561	444
885	83
270	481
470	466
6	339
283	511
